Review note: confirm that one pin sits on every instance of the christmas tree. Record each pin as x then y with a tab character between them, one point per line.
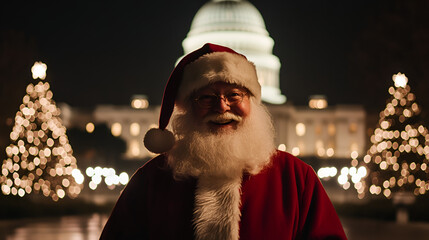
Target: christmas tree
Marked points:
397	161
40	159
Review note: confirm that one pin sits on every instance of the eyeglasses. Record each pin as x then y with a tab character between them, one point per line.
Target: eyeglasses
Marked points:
209	100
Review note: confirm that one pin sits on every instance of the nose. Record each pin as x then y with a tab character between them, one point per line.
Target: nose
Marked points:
221	105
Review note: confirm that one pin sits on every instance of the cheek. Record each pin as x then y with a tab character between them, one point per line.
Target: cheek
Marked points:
244	109
200	113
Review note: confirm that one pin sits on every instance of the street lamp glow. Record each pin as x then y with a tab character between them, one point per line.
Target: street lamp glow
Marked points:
39	70
318	102
90	127
400	80
139	102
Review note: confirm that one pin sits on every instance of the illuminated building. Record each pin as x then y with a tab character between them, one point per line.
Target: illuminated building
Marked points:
331	132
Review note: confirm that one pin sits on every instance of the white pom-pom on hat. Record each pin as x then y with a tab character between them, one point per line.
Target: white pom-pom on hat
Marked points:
158	141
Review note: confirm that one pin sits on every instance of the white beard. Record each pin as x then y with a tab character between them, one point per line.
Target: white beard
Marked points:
218	160
199	151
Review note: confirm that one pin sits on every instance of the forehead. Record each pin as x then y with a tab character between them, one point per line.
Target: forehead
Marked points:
221	87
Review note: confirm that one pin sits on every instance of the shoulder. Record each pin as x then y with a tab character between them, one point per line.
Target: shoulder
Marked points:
287	161
153	170
292	170
158	163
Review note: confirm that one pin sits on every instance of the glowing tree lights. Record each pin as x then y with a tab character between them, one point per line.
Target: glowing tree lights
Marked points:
398	158
40	159
397	161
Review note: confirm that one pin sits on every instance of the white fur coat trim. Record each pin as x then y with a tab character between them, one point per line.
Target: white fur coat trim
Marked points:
217	208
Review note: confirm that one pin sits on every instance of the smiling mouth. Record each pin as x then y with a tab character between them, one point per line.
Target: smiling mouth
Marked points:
221	123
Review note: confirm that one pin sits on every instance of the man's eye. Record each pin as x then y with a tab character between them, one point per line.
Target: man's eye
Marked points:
207	98
234	96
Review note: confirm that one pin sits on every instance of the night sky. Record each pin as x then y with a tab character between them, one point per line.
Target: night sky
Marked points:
103	52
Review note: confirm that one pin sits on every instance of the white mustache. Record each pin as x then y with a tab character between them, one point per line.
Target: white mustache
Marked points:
224	117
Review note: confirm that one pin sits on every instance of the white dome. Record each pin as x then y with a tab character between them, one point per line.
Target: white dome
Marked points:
233	23
228	16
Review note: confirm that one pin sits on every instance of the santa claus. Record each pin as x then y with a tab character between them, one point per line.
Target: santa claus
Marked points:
218	175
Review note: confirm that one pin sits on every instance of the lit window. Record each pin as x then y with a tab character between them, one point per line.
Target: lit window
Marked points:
135	129
331	129
318	130
116	129
135	148
300	129
353	127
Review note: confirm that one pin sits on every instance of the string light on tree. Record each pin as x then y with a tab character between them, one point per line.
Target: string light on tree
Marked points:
39	70
40	159
398	159
400	80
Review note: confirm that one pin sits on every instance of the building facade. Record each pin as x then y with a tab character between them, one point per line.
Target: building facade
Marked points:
333	132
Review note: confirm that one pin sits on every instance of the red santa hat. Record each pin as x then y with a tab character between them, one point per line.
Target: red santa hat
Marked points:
209	64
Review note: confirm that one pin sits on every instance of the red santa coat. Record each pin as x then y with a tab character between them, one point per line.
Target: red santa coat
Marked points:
284	201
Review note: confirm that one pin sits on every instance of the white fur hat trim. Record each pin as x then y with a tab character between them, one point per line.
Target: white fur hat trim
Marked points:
219	67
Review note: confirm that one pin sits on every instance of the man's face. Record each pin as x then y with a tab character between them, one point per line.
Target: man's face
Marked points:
213	104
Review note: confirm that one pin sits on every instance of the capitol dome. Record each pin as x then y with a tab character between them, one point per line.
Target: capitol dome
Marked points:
239	25
228	15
